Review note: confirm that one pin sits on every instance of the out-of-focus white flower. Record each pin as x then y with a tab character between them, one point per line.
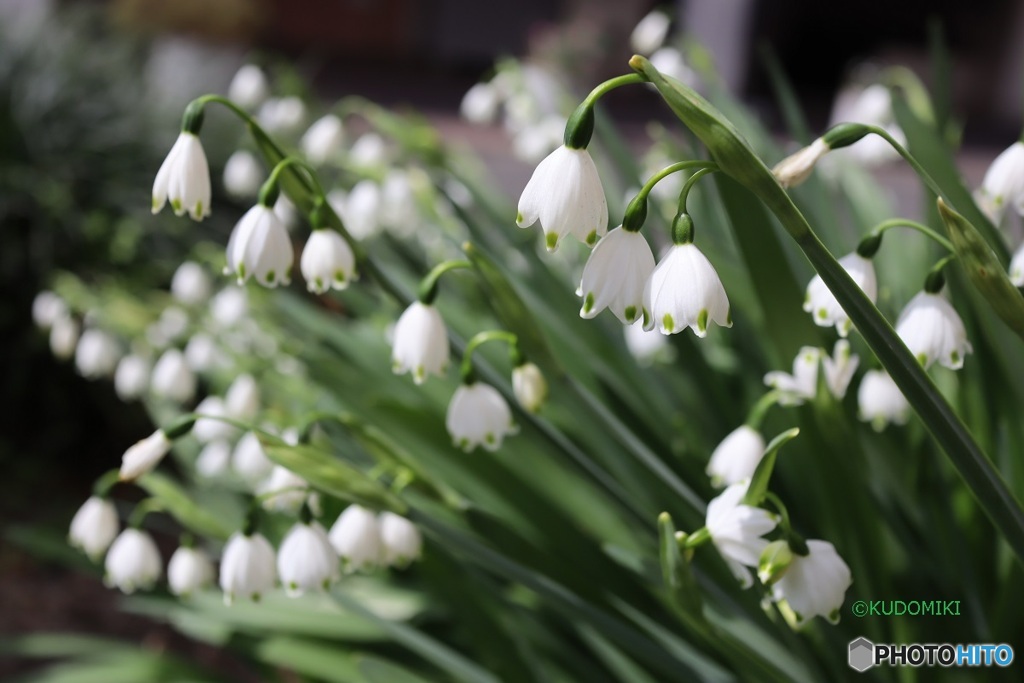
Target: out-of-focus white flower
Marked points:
248	568
362	210
802	385
565	194
839	368
529	387
286	212
1003	185
242	399
1017	267
243	175
133	562
650	32
94	527
282	114
249	87
249	460
323	139
169	327
685	291
63	337
736	530
478	416
229	306
214	459
202	353
293	490
480	103
932	330
534	141
669	61
259	247
797	167
400	539
880	401
190	284
736	457
821	303
644	345
172	378
398	203
872	106
814	584
327	261
420	343
47	308
188	571
306	560
131	379
356	538
184	179
368	152
144	455
97	354
615	276
207	429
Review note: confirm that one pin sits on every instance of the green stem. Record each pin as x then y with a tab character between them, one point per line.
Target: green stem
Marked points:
636	211
884	226
609	85
101	489
914	163
269	188
756	415
427	291
780	507
697	538
468	376
141	510
690	182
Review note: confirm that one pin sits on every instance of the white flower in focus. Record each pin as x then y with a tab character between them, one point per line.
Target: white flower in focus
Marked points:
323	139
685	291
400	538
133	562
736	457
242	399
880	401
565	194
480	103
208	429
248	568
839	368
932	330
327	261
190	284
1017	267
815	584
736	530
650	32
189	570
172	378
420	343
249	460
229	306
97	354
356	538
478	416
144	455
306	560
615	276
669	61
184	179
361	211
131	379
94	527
802	385
368	152
214	459
1003	185
243	175
797	167
63	337
282	115
249	87
529	386
259	247
283	490
821	303
644	345
47	308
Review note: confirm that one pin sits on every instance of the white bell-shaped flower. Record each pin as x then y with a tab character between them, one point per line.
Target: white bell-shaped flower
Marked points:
362	210
814	584
327	261
94	527
189	571
685	291
736	457
47	308
229	307
480	103
133	562
736	530
214	459
650	32
249	460
210	427
202	353
283	115
184	179
64	337
169	328
248	568
243	175
880	401
191	284
1003	184
645	346
398	212
369	151
478	416
242	399
615	276
420	343
839	368
821	303
400	539
870	105
565	194
249	87
97	354
802	385
173	378
259	247
131	379
1017	267
306	561
529	386
356	538
323	139
144	455
933	331
283	490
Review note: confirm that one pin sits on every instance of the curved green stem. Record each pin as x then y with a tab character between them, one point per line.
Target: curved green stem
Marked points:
427	291
107	481
636	211
690	182
780	507
697	538
468	376
141	510
884	226
609	85
756	415
270	186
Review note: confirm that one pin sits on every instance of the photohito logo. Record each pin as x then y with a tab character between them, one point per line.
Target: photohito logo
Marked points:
864	654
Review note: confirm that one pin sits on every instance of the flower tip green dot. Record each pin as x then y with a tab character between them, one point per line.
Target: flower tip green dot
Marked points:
591	238
702	321
588	302
630	313
668	324
551	241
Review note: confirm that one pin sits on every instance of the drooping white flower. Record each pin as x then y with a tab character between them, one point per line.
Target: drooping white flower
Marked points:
650	32
133	562
669	61
144	455
202	353
685	291
529	386
214	459
259	247
64	337
282	115
400	539
821	303
173	378
97	354
47	308
478	416
615	276
131	379
644	345
323	139
797	167
369	151
1003	184
242	399
249	87
189	570
283	490
169	328
814	584
480	103
327	261
736	457
249	460
880	401
932	330
190	284
839	368
565	194
356	538
1017	267
184	179
94	527
398	202
229	306
210	428
802	385
306	560
362	210
248	568
243	175
736	530
420	343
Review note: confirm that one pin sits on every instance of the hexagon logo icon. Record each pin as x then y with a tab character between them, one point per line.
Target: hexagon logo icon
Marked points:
862	654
